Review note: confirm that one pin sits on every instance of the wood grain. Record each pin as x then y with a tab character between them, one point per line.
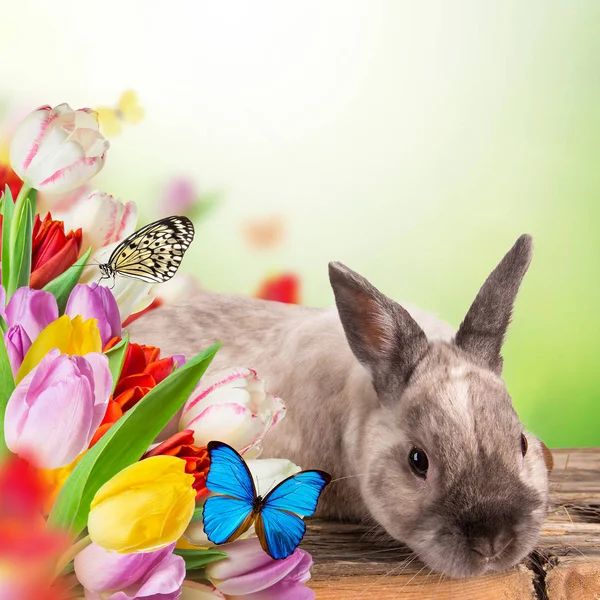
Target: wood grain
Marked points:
352	562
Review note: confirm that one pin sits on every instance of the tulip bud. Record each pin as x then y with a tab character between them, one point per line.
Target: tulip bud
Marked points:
103	218
145	507
54	411
58	149
232	406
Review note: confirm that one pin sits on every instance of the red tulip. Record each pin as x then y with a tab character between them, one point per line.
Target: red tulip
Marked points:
281	288
53	251
10	178
197	460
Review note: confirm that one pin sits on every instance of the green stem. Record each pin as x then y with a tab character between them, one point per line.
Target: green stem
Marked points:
71	553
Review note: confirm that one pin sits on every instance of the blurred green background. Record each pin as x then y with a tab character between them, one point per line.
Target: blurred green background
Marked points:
413	141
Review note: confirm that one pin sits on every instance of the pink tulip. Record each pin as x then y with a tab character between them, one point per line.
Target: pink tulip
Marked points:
55	410
17	343
232	406
58	149
32	310
103	218
96	302
192	590
107	575
27	313
248	573
179	197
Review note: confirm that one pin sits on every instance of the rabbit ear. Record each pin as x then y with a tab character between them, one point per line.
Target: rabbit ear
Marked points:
482	332
381	334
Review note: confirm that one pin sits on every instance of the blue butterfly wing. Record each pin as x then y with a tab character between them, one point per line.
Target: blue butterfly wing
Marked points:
226	518
278	525
279	532
299	493
228	473
230	514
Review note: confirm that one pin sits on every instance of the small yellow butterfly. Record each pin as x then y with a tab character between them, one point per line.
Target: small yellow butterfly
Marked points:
127	111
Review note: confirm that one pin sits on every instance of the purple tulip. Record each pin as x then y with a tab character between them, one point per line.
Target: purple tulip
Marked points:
32	310
17	343
96	302
55	410
248	573
107	575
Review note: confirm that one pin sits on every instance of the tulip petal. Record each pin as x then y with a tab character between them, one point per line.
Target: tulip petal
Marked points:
73	175
17	344
32	310
55	153
27	137
198	591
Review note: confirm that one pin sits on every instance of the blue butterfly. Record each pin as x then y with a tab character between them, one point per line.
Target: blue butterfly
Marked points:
237	507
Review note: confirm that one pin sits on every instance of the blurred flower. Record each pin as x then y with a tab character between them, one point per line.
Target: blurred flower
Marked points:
103	219
145	507
58	149
96	302
266	474
132	295
54	411
28	550
69	336
264	232
143	369
107	575
249	573
280	288
232	406
55	479
197	461
9	178
179	198
53	251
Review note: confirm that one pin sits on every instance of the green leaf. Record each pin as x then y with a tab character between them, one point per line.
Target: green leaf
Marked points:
116	359
7	386
125	442
8	209
197	513
21	267
63	285
195	559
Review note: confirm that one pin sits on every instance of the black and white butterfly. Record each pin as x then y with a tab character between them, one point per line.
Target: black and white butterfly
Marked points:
153	253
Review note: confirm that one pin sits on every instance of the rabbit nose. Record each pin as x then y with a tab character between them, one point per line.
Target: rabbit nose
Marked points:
492	546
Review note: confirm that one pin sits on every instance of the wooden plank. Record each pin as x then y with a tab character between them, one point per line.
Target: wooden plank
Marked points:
353	561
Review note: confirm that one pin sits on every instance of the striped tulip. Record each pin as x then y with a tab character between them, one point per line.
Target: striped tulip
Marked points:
58	149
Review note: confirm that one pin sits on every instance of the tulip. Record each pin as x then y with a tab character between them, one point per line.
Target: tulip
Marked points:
70	336
103	218
143	369
53	251
54	411
178	198
17	344
9	178
145	507
280	288
32	310
197	461
266	474
96	302
109	575
58	149
232	406
192	590
249	573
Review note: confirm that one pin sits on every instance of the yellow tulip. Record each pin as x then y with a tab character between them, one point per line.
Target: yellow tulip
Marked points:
70	336
145	507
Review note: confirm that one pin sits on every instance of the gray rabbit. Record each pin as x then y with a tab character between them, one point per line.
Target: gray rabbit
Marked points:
412	419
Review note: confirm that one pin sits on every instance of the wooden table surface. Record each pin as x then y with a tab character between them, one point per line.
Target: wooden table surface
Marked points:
350	564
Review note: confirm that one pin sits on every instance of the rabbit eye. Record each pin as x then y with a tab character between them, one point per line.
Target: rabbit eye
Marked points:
523	444
417	459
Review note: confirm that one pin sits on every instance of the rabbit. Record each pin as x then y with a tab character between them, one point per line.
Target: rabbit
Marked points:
411	419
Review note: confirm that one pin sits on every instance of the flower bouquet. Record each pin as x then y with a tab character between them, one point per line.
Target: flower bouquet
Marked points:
111	483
